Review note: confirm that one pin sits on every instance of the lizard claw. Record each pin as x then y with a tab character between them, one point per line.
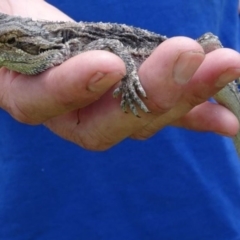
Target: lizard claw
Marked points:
130	97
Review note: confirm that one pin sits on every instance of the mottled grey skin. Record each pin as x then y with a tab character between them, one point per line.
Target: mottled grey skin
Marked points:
31	47
229	95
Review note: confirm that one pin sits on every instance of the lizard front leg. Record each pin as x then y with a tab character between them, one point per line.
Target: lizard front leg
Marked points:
130	84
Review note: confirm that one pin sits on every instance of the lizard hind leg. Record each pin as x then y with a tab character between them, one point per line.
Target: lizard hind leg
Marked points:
130	84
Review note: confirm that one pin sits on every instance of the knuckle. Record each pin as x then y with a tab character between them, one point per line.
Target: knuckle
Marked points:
162	107
195	100
147	132
20	115
94	141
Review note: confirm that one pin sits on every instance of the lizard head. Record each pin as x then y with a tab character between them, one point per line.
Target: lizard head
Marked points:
24	44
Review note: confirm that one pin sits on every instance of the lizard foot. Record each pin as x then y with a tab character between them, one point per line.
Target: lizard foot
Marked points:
130	84
130	98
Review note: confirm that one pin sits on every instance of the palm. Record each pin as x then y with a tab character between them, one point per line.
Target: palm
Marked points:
55	96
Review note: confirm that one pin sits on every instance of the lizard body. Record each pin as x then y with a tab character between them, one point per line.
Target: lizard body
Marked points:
31	47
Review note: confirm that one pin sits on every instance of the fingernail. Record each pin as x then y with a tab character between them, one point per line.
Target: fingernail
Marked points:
186	65
103	81
228	76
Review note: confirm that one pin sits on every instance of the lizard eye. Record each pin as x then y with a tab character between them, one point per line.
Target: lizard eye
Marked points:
41	50
11	40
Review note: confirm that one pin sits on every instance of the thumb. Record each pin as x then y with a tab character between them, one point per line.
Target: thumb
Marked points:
76	83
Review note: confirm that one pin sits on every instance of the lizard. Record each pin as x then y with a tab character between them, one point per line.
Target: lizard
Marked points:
32	46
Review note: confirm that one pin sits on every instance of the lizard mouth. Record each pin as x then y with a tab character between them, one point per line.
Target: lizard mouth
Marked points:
34	49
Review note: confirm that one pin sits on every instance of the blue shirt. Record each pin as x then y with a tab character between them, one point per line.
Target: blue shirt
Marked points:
179	184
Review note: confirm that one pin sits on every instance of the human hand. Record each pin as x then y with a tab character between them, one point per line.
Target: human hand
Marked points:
54	97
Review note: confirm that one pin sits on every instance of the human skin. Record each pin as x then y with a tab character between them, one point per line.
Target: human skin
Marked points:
178	78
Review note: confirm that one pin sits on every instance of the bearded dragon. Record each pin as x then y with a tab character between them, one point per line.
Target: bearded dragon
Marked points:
31	47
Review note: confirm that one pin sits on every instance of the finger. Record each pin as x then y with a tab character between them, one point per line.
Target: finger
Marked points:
210	117
220	68
177	60
76	83
213	74
103	124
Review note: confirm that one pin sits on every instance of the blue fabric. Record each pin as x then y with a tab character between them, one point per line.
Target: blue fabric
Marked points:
177	185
